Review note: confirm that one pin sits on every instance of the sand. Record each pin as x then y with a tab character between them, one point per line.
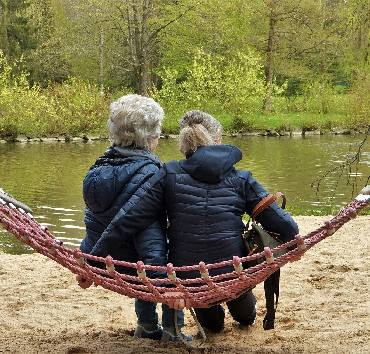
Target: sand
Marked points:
324	307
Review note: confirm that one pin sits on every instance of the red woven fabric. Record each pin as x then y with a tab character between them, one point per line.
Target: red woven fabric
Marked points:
204	291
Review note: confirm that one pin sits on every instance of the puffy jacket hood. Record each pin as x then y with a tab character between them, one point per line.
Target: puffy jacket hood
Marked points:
117	174
211	164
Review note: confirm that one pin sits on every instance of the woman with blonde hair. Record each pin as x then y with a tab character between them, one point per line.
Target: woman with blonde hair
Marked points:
204	197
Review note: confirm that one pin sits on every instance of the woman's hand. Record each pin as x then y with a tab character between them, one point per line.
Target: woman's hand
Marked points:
82	282
177	304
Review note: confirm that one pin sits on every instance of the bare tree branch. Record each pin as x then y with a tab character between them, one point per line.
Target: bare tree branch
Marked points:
350	166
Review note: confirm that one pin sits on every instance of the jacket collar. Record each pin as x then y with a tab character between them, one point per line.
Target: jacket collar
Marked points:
126	151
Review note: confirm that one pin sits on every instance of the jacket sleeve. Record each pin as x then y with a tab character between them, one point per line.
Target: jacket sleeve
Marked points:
151	247
273	218
141	212
277	220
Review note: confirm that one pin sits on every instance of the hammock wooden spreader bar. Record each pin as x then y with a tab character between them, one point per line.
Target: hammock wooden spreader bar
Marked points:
203	291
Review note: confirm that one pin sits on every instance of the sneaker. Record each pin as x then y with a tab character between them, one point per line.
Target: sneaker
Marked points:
140	332
168	337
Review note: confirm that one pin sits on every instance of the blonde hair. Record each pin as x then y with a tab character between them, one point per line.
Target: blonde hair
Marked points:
198	128
135	120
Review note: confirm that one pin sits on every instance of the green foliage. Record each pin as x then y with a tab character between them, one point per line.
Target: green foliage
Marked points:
70	108
315	44
27	29
79	107
21	108
314	97
47	62
359	98
170	97
19	30
220	77
232	84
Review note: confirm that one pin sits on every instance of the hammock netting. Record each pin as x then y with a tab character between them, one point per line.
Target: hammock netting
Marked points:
204	291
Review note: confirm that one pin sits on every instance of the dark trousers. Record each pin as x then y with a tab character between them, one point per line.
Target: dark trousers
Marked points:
242	310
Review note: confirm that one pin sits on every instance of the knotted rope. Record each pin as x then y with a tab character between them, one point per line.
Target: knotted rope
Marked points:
201	292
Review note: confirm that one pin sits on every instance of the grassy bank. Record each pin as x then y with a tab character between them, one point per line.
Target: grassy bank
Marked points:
76	107
81	124
288	122
73	120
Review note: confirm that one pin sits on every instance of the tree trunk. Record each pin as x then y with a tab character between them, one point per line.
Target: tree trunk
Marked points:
3	28
141	53
145	51
101	60
269	67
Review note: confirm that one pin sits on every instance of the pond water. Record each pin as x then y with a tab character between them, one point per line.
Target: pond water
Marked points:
48	176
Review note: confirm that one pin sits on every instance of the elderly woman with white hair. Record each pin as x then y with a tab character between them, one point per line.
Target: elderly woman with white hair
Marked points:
134	127
205	198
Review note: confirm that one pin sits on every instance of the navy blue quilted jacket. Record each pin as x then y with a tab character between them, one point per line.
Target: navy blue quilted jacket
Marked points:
108	185
204	197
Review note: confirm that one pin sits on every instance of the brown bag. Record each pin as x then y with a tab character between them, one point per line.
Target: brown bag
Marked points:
256	238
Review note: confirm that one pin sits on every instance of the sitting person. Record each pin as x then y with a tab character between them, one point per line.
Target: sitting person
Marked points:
134	126
205	198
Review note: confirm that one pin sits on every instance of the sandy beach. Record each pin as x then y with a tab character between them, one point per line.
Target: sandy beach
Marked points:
324	307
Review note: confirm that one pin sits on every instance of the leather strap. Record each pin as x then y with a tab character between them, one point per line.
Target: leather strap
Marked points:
265	202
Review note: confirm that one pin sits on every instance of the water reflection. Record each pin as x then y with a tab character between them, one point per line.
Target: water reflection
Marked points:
48	176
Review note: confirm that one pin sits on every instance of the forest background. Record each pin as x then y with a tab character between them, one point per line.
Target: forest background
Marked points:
253	64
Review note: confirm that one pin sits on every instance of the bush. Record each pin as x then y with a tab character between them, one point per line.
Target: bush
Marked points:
217	83
22	109
79	107
71	108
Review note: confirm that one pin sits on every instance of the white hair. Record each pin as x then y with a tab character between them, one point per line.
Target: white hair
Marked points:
135	121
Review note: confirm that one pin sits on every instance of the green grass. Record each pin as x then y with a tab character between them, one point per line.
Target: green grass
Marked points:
285	122
273	121
290	121
76	107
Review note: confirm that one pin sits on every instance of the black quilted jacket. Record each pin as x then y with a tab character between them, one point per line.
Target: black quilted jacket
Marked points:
204	197
108	185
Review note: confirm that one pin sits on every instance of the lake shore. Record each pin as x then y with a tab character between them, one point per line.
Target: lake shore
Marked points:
324	307
263	133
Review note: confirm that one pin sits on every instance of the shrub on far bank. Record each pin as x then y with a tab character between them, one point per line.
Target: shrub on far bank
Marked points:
77	107
69	108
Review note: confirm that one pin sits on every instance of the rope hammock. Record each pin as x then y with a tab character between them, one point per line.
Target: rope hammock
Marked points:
202	292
